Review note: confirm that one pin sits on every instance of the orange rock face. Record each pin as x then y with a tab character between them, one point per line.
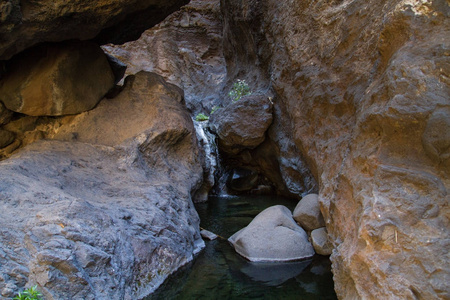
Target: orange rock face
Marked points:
365	88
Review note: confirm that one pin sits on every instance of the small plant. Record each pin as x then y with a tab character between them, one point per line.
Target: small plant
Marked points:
240	88
29	294
201	117
215	108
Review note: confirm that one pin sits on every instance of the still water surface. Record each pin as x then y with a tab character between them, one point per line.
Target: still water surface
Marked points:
218	272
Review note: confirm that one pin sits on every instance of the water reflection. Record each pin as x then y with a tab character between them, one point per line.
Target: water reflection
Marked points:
218	272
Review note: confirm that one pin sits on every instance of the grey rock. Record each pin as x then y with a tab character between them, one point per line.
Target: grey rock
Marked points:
321	242
272	236
307	213
208	235
242	124
105	216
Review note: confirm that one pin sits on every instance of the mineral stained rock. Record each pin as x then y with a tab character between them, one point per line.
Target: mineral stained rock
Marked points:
56	79
27	23
105	213
363	87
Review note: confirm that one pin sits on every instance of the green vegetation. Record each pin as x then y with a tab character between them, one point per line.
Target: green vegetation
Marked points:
29	294
215	108
201	117
240	88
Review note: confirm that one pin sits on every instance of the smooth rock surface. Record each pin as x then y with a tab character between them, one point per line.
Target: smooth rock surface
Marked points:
27	23
307	213
321	242
56	79
272	236
243	123
357	83
105	216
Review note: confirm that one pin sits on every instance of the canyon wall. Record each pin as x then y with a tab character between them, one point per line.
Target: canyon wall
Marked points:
364	89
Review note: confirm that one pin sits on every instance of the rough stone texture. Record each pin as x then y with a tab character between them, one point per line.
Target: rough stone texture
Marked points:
242	179
26	23
307	213
272	236
6	138
5	114
321	242
186	49
363	87
243	123
56	79
108	216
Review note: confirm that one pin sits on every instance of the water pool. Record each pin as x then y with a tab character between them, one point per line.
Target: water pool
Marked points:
218	272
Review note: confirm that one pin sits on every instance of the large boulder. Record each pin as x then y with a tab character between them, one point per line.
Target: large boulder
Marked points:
56	79
243	123
307	213
272	236
26	23
242	179
103	217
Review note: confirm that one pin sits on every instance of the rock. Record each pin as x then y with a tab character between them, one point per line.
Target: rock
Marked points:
208	235
320	241
186	49
272	236
118	67
436	137
307	213
107	216
356	104
56	79
241	180
5	114
242	124
24	24
6	138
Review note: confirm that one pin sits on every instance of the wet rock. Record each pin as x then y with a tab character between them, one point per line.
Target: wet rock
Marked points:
272	236
320	241
243	123
242	179
307	213
24	24
109	214
208	235
56	79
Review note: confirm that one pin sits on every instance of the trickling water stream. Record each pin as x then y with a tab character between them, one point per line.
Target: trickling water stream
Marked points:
218	272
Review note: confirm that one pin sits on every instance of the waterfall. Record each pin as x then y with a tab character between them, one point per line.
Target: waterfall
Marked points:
208	147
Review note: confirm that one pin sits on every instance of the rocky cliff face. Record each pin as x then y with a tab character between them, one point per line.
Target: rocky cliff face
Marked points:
186	49
103	211
26	23
363	87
